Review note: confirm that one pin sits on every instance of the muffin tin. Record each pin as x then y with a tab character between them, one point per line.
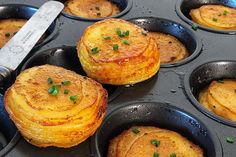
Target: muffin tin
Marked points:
167	100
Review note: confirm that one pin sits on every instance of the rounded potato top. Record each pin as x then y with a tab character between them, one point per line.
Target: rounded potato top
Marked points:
31	88
115	40
219	15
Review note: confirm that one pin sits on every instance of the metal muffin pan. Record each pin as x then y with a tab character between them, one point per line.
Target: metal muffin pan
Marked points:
167	93
124	5
183	8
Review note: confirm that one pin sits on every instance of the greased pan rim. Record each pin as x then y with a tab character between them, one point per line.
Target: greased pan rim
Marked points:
191	23
157	104
190	32
190	96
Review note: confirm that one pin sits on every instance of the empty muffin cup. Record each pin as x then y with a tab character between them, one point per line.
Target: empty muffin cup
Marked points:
183	34
183	8
8	132
123	5
20	11
200	77
157	114
67	58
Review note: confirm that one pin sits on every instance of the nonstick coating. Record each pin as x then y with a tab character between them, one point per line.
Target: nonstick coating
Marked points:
156	114
200	77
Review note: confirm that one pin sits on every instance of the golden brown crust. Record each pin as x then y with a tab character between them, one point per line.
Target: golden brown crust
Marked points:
91	8
220	98
129	144
215	16
130	64
48	120
170	48
8	27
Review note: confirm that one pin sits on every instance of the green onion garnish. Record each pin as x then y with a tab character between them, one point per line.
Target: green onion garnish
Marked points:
155	142
66	91
136	131
7	34
126	42
119	33
229	139
66	82
50	81
94	50
126	33
55	92
214	19
220	81
194	26
155	154
73	98
50	90
107	38
115	47
173	155
225	12
14	33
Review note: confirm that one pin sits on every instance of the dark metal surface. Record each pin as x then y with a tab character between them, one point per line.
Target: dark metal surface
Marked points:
169	86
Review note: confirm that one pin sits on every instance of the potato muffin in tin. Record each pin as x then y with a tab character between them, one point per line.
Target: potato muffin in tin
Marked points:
52	106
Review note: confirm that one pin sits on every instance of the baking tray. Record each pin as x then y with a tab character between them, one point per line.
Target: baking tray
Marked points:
167	100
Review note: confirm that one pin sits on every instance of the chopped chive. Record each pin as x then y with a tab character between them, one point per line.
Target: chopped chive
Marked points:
73	98
119	33
155	154
220	81
115	47
144	33
173	155
66	82
94	50
136	131
7	34
97	8
55	92
126	33
214	19
126	42
107	38
194	26
155	142
50	81
66	91
98	14
14	33
229	139
50	90
225	12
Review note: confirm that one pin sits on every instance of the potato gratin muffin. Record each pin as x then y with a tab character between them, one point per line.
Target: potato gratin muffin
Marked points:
52	106
8	28
220	98
91	8
146	141
215	16
117	52
170	48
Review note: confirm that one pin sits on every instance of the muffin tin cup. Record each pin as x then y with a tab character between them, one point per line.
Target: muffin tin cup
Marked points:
183	8
67	58
200	77
124	5
8	132
155	114
186	36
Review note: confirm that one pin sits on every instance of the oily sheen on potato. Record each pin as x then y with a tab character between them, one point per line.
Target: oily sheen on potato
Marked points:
114	51
52	106
8	28
91	8
215	16
220	98
145	141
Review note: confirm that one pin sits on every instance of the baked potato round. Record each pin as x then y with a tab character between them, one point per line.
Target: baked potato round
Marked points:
114	51
91	8
8	28
220	98
170	48
143	141
215	16
52	106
